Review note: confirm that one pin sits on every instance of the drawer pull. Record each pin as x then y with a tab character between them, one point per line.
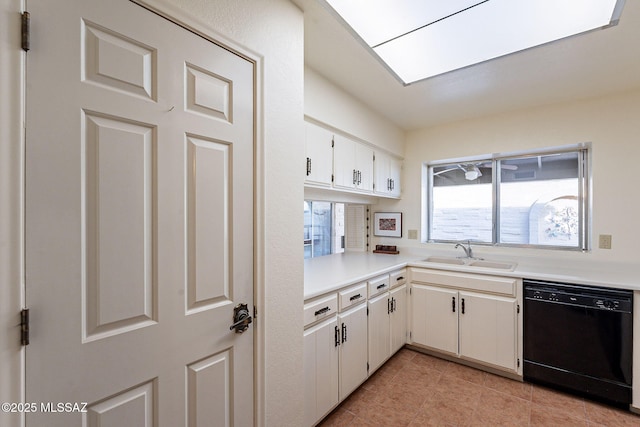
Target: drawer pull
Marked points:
322	311
400	278
381	286
355	297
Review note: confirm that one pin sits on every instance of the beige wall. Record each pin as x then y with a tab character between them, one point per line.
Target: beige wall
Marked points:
610	123
327	103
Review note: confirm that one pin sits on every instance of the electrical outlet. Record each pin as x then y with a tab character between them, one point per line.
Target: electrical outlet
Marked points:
412	234
604	241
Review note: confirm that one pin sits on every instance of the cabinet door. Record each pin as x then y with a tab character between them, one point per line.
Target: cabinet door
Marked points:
434	318
364	167
353	349
319	152
379	341
398	317
320	367
344	164
488	326
395	172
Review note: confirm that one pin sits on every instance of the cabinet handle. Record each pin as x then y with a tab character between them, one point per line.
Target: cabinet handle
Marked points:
393	184
359	177
399	278
344	332
354	177
393	304
355	297
453	304
388	306
322	311
381	286
462	305
308	166
337	336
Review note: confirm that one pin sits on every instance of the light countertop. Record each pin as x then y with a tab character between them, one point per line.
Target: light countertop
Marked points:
332	272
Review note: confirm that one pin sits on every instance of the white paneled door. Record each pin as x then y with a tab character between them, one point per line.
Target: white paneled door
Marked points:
139	220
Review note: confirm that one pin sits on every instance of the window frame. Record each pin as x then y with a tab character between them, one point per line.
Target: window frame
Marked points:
584	194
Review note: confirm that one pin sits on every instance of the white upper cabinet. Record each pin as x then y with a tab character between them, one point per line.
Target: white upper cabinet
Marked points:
352	165
342	163
319	153
387	170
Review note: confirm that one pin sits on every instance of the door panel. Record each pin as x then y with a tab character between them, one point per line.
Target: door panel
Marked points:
353	349
435	317
379	333
398	318
488	329
139	219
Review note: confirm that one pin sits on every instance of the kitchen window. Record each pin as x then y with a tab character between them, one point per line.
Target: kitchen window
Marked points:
532	199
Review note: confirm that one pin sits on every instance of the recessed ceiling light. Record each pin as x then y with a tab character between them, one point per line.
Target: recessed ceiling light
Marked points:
418	39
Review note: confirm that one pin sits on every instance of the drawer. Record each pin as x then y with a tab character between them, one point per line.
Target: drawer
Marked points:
397	278
320	309
378	285
352	296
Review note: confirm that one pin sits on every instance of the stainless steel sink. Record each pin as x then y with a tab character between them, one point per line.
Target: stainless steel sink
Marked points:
472	262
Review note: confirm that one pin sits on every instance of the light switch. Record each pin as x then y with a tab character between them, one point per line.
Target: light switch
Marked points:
412	234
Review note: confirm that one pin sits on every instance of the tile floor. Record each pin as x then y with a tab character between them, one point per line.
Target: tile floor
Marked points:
414	389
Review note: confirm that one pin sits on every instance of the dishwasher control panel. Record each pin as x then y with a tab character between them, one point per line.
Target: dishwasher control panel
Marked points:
580	296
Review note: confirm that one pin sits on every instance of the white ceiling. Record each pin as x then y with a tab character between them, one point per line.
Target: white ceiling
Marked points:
585	66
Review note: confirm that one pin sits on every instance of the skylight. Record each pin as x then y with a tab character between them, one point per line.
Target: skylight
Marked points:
418	39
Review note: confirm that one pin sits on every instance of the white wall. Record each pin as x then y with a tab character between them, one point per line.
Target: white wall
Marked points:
611	123
327	103
11	159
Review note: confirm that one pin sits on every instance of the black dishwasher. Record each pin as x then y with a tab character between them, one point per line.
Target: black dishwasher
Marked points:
579	338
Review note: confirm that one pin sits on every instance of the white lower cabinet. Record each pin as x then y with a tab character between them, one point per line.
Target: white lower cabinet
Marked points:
434	317
387	317
478	321
398	318
335	351
379	330
487	329
353	349
321	356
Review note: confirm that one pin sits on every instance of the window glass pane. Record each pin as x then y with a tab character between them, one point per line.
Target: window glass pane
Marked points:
539	200
323	228
462	199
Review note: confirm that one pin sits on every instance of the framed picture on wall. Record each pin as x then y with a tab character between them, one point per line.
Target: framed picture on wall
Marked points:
387	224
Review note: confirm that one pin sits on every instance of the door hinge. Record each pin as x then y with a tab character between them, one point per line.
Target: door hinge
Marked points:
26	18
24	326
331	177
332	142
367	311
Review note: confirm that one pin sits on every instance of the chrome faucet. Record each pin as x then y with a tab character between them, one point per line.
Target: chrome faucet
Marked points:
467	249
